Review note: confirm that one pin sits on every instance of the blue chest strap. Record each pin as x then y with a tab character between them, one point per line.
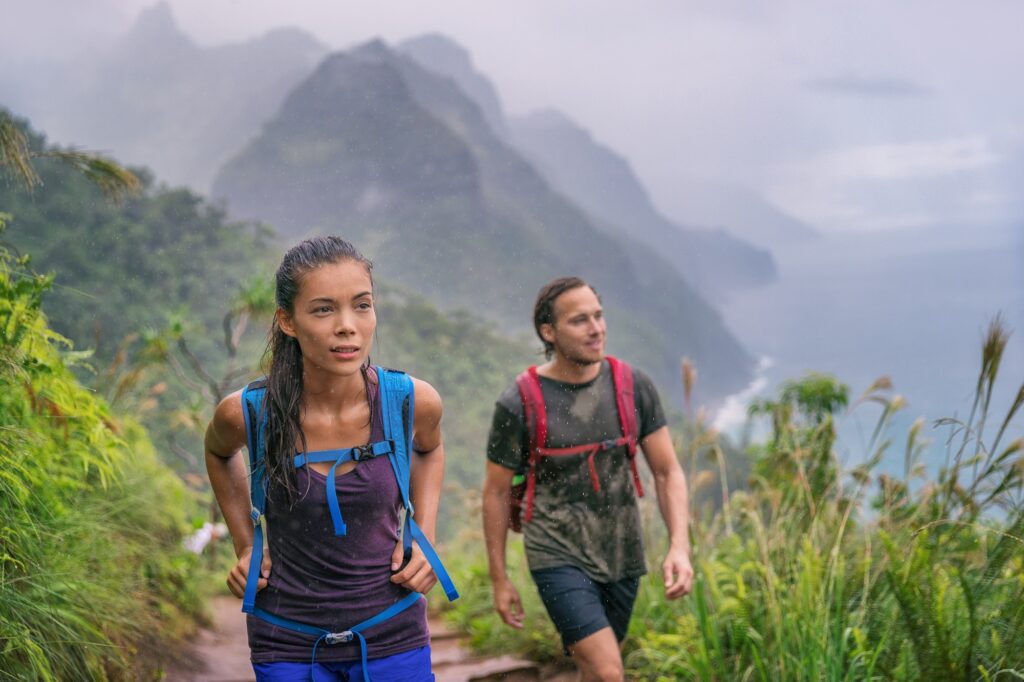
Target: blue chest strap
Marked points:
356	454
397	405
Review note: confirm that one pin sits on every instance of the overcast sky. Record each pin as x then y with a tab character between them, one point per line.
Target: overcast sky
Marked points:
849	115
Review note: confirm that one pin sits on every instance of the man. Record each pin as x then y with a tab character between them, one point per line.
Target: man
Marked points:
581	524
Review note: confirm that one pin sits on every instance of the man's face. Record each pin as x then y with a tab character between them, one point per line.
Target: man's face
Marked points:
578	332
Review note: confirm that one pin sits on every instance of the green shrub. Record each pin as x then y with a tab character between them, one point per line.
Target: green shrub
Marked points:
93	576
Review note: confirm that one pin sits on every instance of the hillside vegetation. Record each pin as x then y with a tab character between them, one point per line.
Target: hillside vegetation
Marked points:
94	581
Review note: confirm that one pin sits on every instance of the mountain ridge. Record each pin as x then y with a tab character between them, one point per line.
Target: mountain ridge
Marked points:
367	119
154	97
600	181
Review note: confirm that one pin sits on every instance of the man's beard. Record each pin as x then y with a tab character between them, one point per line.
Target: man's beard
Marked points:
581	360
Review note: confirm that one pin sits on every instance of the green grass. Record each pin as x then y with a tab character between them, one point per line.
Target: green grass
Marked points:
813	573
93	577
473	613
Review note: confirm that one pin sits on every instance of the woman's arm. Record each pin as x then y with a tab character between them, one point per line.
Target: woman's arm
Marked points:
229	477
427	473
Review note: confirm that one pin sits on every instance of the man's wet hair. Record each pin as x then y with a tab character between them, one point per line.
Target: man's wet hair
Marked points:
544	306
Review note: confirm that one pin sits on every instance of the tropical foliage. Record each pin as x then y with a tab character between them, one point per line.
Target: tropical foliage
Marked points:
17	158
93	577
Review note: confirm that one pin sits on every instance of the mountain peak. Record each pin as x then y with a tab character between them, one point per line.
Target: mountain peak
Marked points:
375	49
443	56
156	29
292	37
156	19
442	51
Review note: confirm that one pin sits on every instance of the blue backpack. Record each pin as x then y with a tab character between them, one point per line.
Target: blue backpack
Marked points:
397	400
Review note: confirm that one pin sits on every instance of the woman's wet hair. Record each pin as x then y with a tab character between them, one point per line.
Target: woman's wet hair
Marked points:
544	306
283	360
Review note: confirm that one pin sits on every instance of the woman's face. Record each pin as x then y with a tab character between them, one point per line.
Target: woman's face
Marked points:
334	318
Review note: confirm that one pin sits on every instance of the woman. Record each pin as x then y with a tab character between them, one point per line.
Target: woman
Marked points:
323	405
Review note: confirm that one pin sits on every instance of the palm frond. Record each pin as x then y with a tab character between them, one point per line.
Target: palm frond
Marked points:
15	155
116	182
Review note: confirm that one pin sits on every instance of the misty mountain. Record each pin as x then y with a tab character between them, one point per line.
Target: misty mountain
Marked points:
740	210
600	181
446	57
603	182
155	98
397	158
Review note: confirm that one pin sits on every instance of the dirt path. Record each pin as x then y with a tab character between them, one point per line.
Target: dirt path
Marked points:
221	654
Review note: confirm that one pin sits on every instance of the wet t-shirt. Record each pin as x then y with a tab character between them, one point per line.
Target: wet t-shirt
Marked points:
336	582
572	524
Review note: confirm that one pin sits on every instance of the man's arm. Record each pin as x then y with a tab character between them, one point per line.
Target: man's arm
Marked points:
496	512
674	503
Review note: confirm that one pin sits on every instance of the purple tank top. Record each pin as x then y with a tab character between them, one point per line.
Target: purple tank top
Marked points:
336	582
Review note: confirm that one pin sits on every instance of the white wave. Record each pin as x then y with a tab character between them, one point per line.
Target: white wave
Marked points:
733	412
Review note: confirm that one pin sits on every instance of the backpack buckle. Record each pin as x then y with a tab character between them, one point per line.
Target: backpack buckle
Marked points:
336	637
608	444
361	452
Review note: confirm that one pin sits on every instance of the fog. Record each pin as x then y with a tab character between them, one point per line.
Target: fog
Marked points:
848	116
894	130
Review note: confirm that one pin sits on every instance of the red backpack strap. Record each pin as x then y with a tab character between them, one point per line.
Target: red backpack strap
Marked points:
536	417
625	401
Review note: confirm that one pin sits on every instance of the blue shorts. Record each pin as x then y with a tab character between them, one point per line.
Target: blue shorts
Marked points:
408	666
579	606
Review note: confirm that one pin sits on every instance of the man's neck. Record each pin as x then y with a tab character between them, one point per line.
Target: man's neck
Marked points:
561	368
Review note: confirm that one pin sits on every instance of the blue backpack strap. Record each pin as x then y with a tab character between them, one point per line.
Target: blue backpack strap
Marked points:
337	457
396	399
354	632
398	403
255	422
395	390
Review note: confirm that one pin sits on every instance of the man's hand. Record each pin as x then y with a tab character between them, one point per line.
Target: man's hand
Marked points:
417	575
508	604
678	573
674	503
239	572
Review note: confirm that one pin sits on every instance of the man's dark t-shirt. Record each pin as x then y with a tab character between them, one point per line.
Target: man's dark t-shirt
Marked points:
598	532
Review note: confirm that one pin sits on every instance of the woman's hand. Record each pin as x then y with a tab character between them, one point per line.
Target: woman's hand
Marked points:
417	575
239	572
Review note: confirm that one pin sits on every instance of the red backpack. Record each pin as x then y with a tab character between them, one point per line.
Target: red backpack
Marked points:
536	417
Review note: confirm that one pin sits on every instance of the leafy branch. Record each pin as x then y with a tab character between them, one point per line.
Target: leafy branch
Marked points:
16	156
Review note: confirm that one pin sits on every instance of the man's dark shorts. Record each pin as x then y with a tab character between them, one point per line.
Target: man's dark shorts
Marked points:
579	606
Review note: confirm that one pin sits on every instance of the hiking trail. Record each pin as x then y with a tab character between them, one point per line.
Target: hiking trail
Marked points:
220	653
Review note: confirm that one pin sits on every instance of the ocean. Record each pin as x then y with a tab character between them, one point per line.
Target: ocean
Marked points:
910	305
